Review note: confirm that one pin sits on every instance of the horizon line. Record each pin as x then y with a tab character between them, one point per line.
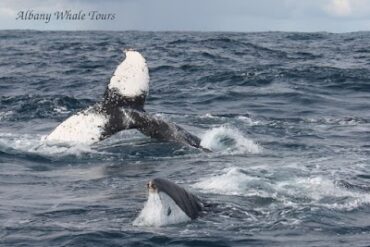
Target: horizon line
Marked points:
183	31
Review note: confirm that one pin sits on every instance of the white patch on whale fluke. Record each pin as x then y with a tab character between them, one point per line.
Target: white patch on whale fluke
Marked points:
131	77
230	140
84	127
160	210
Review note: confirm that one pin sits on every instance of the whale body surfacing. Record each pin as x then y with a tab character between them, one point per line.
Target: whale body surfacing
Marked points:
122	108
168	204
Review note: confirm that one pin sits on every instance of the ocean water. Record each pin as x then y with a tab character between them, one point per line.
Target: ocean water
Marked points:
287	116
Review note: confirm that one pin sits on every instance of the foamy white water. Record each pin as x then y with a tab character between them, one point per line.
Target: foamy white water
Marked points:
36	144
229	140
160	210
315	191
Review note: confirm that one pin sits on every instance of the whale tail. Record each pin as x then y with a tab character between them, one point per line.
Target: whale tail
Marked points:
122	108
159	129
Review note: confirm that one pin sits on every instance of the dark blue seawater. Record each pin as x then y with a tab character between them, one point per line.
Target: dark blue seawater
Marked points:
288	115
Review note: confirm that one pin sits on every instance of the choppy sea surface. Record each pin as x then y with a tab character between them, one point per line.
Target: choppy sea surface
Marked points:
287	115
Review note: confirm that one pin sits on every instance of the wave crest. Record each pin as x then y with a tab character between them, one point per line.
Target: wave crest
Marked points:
229	140
311	191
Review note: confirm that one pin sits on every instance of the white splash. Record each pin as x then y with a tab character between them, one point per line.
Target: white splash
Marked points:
229	140
160	210
312	191
248	120
84	127
323	192
3	115
131	77
35	144
61	109
233	181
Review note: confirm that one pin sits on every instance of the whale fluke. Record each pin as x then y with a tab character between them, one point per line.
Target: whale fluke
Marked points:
121	108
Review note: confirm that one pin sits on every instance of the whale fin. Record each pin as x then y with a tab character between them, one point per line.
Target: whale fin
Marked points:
167	204
188	202
129	84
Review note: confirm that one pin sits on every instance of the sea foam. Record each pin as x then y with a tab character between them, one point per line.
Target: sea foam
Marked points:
311	191
229	140
160	210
